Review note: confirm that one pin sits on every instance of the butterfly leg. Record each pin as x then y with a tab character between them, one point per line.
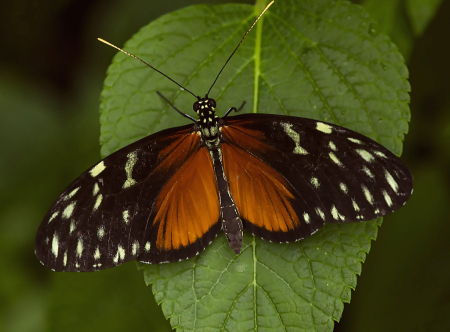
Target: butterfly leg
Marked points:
234	109
229	215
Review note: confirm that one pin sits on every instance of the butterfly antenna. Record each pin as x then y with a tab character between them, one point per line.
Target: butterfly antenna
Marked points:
145	63
257	19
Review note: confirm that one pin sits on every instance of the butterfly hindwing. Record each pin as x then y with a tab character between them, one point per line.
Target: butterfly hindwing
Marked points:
104	218
314	171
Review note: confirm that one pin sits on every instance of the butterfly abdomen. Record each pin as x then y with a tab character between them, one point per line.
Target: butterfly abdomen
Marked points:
229	215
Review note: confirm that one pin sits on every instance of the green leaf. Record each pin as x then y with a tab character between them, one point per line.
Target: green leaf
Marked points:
402	20
421	12
317	59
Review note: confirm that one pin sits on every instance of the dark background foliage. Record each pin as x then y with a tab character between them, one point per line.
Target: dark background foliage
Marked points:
52	70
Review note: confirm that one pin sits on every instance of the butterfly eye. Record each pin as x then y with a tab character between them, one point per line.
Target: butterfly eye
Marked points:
212	103
195	106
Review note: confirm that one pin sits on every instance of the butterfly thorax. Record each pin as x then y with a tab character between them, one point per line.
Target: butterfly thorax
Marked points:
205	109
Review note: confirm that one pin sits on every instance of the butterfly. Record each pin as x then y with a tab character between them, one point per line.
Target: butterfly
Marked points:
165	197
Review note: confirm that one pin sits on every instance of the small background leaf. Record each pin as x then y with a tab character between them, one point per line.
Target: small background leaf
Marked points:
316	59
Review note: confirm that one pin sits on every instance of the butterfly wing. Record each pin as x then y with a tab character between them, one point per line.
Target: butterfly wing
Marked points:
138	203
290	175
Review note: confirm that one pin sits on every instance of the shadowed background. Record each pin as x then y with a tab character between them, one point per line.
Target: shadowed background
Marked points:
51	74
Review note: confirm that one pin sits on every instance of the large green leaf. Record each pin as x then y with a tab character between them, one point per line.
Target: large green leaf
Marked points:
317	59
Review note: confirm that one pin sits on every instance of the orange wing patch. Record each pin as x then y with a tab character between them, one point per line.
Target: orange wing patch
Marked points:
261	194
188	205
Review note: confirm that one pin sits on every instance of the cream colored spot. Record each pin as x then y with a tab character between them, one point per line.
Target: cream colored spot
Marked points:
295	137
355	206
135	248
335	159
377	211
391	181
80	247
71	194
68	210
120	255
96	189
367	156
77	265
132	159
387	198
101	232
315	182
367	194
380	154
54	215
320	213
343	188
72	227
97	169
97	202
97	253
147	246
55	245
306	217
126	216
354	140
368	172
65	259
334	213
323	127
332	146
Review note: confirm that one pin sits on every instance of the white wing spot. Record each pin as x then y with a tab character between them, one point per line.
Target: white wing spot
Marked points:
135	248
367	156
368	172
320	213
387	198
120	255
147	246
355	206
97	202
77	265
126	216
295	137
54	215
68	210
97	169
323	127
391	181
367	194
380	154
80	247
71	194
132	159
306	217
343	188
55	245
332	146
96	189
72	227
315	182
100	232
335	159
354	140
97	253
334	213
377	211
65	259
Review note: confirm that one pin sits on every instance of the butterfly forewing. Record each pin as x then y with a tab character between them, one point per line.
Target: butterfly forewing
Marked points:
320	171
103	218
